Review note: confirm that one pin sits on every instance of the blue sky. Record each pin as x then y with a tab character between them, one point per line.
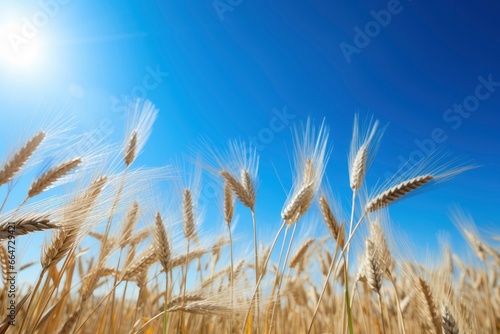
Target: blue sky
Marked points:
225	69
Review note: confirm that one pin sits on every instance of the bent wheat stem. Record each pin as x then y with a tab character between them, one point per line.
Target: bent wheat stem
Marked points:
323	290
261	276
281	277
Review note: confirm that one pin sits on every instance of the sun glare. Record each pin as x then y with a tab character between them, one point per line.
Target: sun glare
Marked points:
20	47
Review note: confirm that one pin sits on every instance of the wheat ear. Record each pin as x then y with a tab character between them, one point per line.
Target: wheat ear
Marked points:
239	190
44	181
138	237
162	244
188	217
4	262
389	196
448	322
17	162
90	280
140	264
25	225
60	244
372	268
297	260
429	312
247	183
331	221
68	325
302	199
130	152
358	169
383	254
129	226
298	204
228	204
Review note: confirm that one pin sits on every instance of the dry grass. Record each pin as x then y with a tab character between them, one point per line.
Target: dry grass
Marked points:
114	264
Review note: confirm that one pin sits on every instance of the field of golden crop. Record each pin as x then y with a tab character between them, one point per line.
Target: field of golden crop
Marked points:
155	273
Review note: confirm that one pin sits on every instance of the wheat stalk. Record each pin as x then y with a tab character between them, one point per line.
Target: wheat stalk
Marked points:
181	259
476	244
299	204
239	190
428	309
448	322
372	268
389	196
139	237
246	181
130	152
19	159
91	279
162	245
297	260
357	173
331	221
228	217
129	226
379	241
182	300
70	322
25	225
141	264
189	228
67	237
47	179
60	244
303	197
228	204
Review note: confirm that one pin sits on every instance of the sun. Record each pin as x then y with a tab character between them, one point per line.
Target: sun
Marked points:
20	48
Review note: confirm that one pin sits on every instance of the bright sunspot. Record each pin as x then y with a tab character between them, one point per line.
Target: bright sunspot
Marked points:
21	46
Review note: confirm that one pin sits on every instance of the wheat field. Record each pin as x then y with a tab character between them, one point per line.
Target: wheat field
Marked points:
152	267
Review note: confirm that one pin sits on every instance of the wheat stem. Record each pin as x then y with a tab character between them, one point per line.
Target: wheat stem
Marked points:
261	276
346	287
256	256
231	277
323	290
381	311
281	277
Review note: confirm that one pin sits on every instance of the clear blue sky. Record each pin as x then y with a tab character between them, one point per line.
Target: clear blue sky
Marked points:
224	69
